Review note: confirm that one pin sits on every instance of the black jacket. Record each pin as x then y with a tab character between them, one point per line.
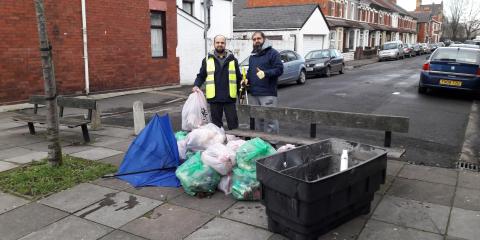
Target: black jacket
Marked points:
222	92
268	60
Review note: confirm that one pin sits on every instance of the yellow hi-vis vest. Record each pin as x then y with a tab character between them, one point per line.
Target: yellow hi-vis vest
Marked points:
210	82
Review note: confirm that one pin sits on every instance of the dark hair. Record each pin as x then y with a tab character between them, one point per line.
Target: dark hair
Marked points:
259	32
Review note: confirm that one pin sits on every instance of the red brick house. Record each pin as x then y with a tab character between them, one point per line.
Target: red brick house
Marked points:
430	19
122	53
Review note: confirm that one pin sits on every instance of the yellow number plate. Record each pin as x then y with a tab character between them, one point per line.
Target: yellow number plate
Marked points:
450	83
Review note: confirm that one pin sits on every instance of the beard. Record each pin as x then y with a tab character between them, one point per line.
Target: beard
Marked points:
220	50
257	48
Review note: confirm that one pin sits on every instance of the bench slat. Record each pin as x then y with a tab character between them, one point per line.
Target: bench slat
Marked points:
72	102
69	122
328	118
270	137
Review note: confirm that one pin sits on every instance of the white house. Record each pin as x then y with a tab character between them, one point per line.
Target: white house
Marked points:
190	30
297	27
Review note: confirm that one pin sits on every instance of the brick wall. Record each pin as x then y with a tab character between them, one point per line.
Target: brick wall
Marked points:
118	44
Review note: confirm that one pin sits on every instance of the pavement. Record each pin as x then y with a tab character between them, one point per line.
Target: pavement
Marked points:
416	202
359	63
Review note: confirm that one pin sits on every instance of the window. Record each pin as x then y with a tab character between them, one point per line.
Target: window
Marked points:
291	56
157	32
333	37
331	8
283	57
188	6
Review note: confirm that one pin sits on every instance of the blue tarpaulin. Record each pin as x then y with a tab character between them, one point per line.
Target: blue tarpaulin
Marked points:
154	148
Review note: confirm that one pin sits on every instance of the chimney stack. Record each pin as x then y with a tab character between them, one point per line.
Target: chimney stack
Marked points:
419	2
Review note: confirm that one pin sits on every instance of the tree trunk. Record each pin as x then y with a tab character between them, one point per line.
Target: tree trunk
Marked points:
54	149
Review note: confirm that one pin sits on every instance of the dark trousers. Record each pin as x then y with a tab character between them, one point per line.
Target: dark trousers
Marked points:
217	109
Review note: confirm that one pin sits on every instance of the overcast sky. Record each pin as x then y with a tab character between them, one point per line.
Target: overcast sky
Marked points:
410	4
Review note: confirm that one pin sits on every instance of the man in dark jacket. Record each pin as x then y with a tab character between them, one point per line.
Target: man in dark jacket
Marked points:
222	76
264	68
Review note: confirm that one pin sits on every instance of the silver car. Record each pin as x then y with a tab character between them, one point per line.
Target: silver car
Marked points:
391	50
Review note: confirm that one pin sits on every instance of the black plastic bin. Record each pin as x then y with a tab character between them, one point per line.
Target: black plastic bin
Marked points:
304	193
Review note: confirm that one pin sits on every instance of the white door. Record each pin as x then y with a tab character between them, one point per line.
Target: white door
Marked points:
312	42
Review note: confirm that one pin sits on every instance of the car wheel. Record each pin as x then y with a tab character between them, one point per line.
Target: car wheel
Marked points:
342	69
302	78
328	72
398	56
422	90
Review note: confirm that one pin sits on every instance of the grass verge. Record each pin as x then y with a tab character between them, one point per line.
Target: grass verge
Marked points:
39	179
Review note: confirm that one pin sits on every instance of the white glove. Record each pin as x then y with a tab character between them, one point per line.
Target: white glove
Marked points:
260	74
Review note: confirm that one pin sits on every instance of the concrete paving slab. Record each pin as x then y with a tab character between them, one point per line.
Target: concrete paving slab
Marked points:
117	209
376	230
43	146
9	124
468	199
348	231
78	197
168	222
464	224
159	193
214	205
384	187
121	235
75	148
96	153
102	141
220	228
252	213
72	228
26	219
120	146
375	202
277	237
409	213
14	152
5	166
9	202
422	191
393	167
113	183
115	160
469	180
27	158
115	132
429	174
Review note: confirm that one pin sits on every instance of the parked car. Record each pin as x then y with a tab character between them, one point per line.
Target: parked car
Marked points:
425	48
465	45
408	50
324	62
451	68
391	50
441	44
293	67
433	47
417	49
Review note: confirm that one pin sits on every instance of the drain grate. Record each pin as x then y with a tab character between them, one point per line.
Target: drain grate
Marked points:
468	166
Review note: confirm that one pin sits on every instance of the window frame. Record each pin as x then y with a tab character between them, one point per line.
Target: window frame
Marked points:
163	29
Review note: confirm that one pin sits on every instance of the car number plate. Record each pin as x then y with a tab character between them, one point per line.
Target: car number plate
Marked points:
450	83
309	69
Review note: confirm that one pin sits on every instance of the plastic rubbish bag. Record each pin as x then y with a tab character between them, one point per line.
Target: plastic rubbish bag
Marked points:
182	149
201	138
251	151
234	145
225	184
181	135
197	177
231	137
195	112
219	157
245	185
285	148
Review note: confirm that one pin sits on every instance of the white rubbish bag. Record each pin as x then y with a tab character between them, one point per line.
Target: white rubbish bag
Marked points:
225	184
220	158
195	112
235	144
182	149
285	148
201	138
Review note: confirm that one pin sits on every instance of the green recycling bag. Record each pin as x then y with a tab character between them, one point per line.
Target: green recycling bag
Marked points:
252	150
245	185
197	177
180	135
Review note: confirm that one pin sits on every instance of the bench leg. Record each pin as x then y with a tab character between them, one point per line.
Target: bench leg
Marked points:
31	128
86	137
252	123
313	130
388	139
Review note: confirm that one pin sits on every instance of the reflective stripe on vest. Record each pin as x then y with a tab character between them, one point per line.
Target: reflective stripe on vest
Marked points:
210	81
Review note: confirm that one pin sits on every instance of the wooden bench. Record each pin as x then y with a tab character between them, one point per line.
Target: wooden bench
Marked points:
388	124
63	102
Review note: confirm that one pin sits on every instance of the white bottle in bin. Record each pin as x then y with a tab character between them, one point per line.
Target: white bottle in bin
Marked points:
344	160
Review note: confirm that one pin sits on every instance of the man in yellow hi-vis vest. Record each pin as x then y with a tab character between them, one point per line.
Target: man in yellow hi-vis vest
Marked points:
222	77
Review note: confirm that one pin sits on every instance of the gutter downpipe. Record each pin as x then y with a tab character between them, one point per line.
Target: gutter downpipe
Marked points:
85	47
